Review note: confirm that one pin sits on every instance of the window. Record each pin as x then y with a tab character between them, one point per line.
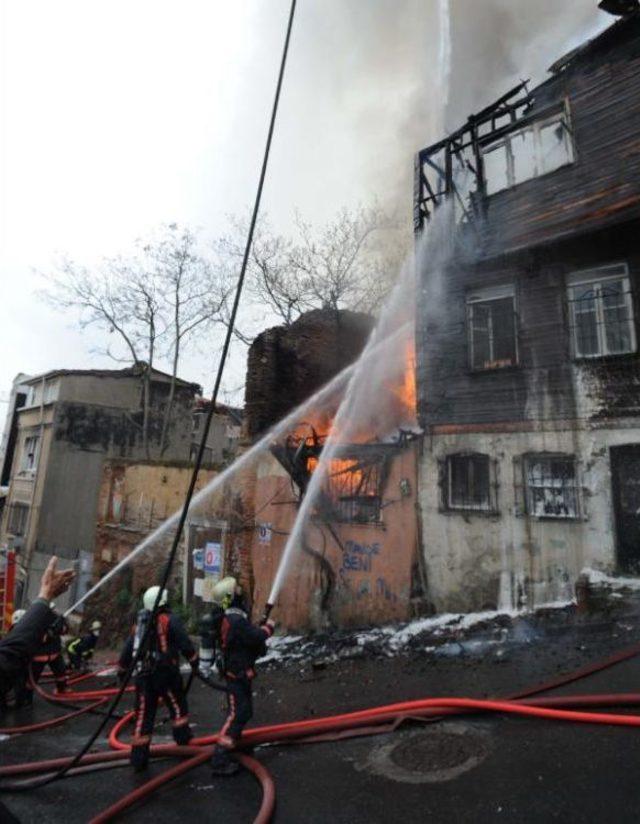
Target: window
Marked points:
51	391
529	152
601	312
468	483
18	514
551	486
354	489
491	323
29	459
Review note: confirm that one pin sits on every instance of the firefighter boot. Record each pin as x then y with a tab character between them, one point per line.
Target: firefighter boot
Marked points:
139	758
222	763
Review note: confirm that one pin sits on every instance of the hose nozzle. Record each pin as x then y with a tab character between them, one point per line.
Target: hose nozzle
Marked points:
267	612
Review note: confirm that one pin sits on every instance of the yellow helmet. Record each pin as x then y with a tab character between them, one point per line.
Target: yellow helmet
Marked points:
224	591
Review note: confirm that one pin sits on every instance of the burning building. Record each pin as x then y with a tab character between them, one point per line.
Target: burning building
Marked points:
358	558
528	371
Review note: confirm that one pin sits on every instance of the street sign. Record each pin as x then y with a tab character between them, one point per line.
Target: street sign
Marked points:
213	559
264	533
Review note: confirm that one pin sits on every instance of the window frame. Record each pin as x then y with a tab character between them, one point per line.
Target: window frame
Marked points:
483	296
550	457
51	391
18	506
347	507
535	126
446	485
597	276
30	467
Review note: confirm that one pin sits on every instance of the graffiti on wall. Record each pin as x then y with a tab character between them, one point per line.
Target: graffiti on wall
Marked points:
358	557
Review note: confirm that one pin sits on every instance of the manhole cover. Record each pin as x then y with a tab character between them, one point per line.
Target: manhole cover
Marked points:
438	753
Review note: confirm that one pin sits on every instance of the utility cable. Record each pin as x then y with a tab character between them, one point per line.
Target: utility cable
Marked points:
205	432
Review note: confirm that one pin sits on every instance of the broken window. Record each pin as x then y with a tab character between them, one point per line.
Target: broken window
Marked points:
469	482
601	312
354	490
29	459
18	514
492	328
536	149
551	486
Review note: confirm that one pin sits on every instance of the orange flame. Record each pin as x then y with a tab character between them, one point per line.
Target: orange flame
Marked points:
405	390
397	407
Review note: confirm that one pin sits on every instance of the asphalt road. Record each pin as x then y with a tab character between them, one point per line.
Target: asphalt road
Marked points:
476	769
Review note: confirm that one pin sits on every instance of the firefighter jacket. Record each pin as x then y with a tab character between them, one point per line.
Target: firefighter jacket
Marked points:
19	645
169	641
242	643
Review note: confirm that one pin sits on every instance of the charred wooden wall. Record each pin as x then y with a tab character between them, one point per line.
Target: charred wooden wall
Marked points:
602	186
542	387
533	235
287	364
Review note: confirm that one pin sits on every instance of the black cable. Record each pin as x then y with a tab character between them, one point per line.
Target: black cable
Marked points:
203	441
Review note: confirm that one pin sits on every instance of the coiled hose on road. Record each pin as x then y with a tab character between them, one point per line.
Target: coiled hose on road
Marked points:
556	708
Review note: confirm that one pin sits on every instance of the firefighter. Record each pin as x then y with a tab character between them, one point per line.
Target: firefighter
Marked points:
20	644
80	650
48	653
241	644
157	673
21	679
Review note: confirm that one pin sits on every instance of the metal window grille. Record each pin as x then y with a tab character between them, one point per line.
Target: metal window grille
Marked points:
551	487
355	491
602	322
470	483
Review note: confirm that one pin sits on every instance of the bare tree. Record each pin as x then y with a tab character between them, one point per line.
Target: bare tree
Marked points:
274	279
334	259
351	262
192	298
153	302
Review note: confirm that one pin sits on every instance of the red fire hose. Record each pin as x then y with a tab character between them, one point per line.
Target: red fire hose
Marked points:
280	732
553	708
146	789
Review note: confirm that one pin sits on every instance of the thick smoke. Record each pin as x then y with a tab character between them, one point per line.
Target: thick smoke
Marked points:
497	43
364	88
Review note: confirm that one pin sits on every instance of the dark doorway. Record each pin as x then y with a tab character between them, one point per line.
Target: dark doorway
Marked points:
625	476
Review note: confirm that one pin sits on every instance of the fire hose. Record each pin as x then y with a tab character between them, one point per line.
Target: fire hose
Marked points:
367	722
200	749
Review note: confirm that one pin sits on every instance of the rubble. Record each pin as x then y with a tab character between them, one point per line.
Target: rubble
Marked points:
467	636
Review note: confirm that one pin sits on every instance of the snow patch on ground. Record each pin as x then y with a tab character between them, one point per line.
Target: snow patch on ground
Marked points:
393	639
595	576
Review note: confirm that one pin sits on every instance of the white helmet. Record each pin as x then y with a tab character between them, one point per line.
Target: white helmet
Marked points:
150	596
224	590
96	627
17	615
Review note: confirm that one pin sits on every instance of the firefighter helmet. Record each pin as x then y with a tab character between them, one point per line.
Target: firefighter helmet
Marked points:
151	595
96	627
224	591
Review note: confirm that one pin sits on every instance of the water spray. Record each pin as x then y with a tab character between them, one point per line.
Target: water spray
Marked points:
335	386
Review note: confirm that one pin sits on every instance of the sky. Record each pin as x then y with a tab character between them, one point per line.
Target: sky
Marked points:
118	116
